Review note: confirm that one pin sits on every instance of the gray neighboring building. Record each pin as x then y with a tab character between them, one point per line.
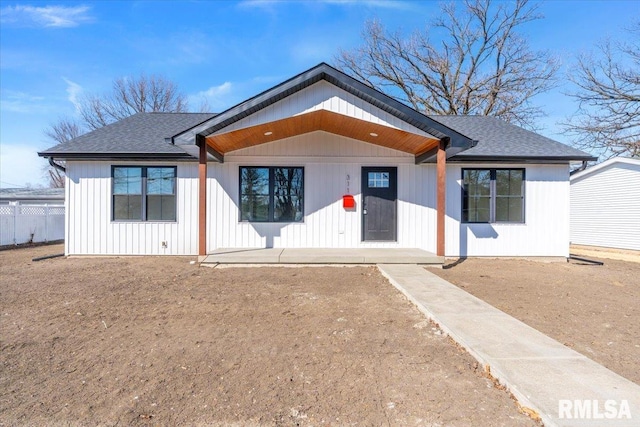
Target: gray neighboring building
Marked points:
605	205
32	196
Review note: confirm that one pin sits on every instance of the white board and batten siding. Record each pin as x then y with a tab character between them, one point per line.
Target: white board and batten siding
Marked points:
90	230
328	161
332	168
605	205
545	231
323	96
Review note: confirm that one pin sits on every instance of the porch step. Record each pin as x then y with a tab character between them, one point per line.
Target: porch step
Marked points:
322	256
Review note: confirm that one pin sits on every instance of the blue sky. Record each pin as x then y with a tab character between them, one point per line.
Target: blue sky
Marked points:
220	51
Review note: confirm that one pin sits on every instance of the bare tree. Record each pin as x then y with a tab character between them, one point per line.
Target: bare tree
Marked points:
608	119
127	97
64	130
130	96
480	65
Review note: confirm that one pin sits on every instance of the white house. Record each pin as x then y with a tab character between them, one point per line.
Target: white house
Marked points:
605	205
319	161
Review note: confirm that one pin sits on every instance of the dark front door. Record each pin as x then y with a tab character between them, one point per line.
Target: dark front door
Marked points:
379	194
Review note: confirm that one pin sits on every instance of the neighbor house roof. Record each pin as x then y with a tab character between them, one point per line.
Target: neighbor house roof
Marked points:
17	194
142	135
626	162
500	140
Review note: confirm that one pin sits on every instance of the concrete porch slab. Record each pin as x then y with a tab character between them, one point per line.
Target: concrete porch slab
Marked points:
244	256
322	256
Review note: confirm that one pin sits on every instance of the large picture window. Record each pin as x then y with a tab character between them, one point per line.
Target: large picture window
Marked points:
271	194
144	193
493	195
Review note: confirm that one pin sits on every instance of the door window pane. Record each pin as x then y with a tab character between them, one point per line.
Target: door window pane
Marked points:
378	179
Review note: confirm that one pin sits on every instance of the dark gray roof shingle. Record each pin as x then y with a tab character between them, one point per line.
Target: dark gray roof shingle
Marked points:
141	134
501	140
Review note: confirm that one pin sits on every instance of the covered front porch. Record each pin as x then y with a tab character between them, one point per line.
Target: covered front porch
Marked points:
336	135
322	256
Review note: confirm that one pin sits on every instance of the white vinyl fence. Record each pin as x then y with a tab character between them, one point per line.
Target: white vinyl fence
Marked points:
31	223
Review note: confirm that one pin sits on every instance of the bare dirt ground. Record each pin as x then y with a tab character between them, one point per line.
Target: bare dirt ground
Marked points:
157	341
593	309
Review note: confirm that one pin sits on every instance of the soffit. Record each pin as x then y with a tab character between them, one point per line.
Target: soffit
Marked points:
323	120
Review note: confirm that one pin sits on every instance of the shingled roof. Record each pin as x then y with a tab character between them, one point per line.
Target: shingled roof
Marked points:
143	135
499	140
171	135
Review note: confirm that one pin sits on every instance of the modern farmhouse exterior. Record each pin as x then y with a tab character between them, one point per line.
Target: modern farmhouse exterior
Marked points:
605	205
319	161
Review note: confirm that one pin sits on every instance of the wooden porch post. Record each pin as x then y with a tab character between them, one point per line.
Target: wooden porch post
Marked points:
441	163
202	196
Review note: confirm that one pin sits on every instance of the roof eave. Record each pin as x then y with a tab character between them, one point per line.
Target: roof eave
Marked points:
115	156
520	159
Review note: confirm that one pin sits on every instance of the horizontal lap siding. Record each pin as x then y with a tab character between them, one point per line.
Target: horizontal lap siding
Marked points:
326	224
605	208
90	231
546	228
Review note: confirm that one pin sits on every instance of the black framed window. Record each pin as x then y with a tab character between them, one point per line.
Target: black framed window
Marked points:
271	194
144	193
493	195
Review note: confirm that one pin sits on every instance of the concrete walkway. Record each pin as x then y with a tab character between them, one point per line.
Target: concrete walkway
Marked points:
322	256
562	386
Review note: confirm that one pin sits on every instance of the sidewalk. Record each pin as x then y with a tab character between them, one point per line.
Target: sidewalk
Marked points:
561	385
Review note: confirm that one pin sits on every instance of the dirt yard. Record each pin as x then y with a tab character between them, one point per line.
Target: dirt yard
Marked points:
157	341
593	309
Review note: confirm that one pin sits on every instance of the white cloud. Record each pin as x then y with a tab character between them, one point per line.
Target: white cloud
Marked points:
20	165
21	102
216	98
73	90
47	16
